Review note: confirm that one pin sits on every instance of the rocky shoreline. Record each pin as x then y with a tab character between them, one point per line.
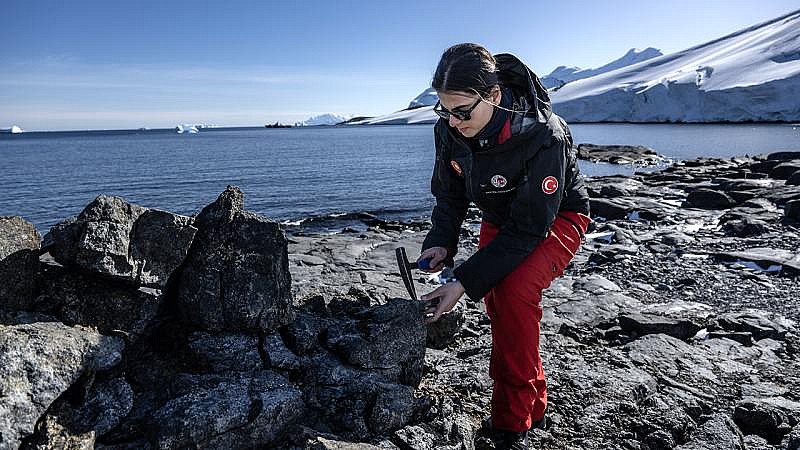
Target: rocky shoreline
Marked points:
674	327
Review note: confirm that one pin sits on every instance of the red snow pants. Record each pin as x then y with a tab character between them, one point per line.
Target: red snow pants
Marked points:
519	396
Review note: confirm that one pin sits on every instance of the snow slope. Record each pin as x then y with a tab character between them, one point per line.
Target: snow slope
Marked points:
750	75
429	97
562	74
322	119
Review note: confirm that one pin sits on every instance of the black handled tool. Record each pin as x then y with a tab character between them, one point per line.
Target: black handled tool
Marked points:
405	270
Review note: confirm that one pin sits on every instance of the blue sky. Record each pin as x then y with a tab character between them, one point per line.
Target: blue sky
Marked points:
112	64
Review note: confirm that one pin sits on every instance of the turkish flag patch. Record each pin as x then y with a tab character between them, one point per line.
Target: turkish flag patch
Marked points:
549	185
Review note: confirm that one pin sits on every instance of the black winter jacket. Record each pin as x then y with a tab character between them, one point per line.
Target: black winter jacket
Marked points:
519	185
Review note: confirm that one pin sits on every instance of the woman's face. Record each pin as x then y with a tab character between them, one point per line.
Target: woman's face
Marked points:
479	116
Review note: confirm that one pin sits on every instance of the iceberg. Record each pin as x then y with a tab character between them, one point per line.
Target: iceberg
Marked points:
12	130
750	75
323	119
181	129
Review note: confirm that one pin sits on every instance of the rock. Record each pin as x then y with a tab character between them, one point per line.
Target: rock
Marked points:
794	178
745	227
758	324
792	440
228	411
388	339
783	156
771	418
303	334
236	276
19	261
610	209
278	354
445	330
38	362
717	433
792	210
643	324
619	154
320	443
783	170
113	237
705	198
113	308
224	352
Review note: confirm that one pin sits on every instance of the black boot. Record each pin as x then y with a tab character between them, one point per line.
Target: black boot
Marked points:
491	438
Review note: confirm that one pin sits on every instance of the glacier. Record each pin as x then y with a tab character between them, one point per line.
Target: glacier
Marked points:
563	75
750	75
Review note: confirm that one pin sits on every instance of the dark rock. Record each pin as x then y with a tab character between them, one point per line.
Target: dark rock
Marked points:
619	154
764	257
783	170
388	339
19	261
745	227
792	210
321	443
40	361
643	324
303	334
232	411
717	433
610	209
783	156
123	240
705	198
278	354
445	330
741	337
236	276
759	324
224	352
792	440
770	418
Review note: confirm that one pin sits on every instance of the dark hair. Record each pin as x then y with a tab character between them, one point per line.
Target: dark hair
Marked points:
466	67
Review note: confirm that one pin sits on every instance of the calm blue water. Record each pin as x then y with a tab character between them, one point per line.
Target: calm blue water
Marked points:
289	174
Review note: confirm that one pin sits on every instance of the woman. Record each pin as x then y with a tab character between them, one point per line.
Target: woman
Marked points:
499	145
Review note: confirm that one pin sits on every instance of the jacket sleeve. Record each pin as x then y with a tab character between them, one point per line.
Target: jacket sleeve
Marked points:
532	213
451	201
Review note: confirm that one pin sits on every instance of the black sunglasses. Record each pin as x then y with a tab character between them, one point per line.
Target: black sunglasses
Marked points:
458	113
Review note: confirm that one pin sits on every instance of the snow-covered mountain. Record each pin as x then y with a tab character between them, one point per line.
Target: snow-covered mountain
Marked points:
750	75
563	75
429	97
322	119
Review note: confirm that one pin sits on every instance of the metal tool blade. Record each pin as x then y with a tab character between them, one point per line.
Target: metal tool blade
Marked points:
405	271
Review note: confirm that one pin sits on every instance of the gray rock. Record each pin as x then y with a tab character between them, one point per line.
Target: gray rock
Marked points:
619	154
794	178
236	276
113	237
705	198
759	324
445	330
278	354
617	208
764	257
19	261
717	433
783	156
40	361
234	411
224	352
321	443
792	440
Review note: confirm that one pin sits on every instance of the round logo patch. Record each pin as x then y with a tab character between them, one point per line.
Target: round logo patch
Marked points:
499	181
549	185
456	167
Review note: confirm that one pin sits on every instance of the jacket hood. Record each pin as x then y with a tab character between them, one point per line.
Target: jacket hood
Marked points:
513	73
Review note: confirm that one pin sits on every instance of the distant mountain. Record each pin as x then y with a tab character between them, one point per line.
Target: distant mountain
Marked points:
563	75
428	97
322	119
750	75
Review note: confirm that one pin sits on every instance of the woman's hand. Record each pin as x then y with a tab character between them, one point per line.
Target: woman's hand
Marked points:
448	296
437	255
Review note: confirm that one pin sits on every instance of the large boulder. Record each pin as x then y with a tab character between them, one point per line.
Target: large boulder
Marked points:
38	362
19	261
236	276
227	411
705	198
78	299
116	238
783	170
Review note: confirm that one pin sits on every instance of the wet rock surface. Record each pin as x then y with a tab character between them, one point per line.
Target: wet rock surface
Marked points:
674	328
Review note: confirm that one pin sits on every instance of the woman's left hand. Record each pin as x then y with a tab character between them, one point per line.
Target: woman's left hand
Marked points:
448	296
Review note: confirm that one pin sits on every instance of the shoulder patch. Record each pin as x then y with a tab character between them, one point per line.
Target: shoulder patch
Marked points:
549	185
